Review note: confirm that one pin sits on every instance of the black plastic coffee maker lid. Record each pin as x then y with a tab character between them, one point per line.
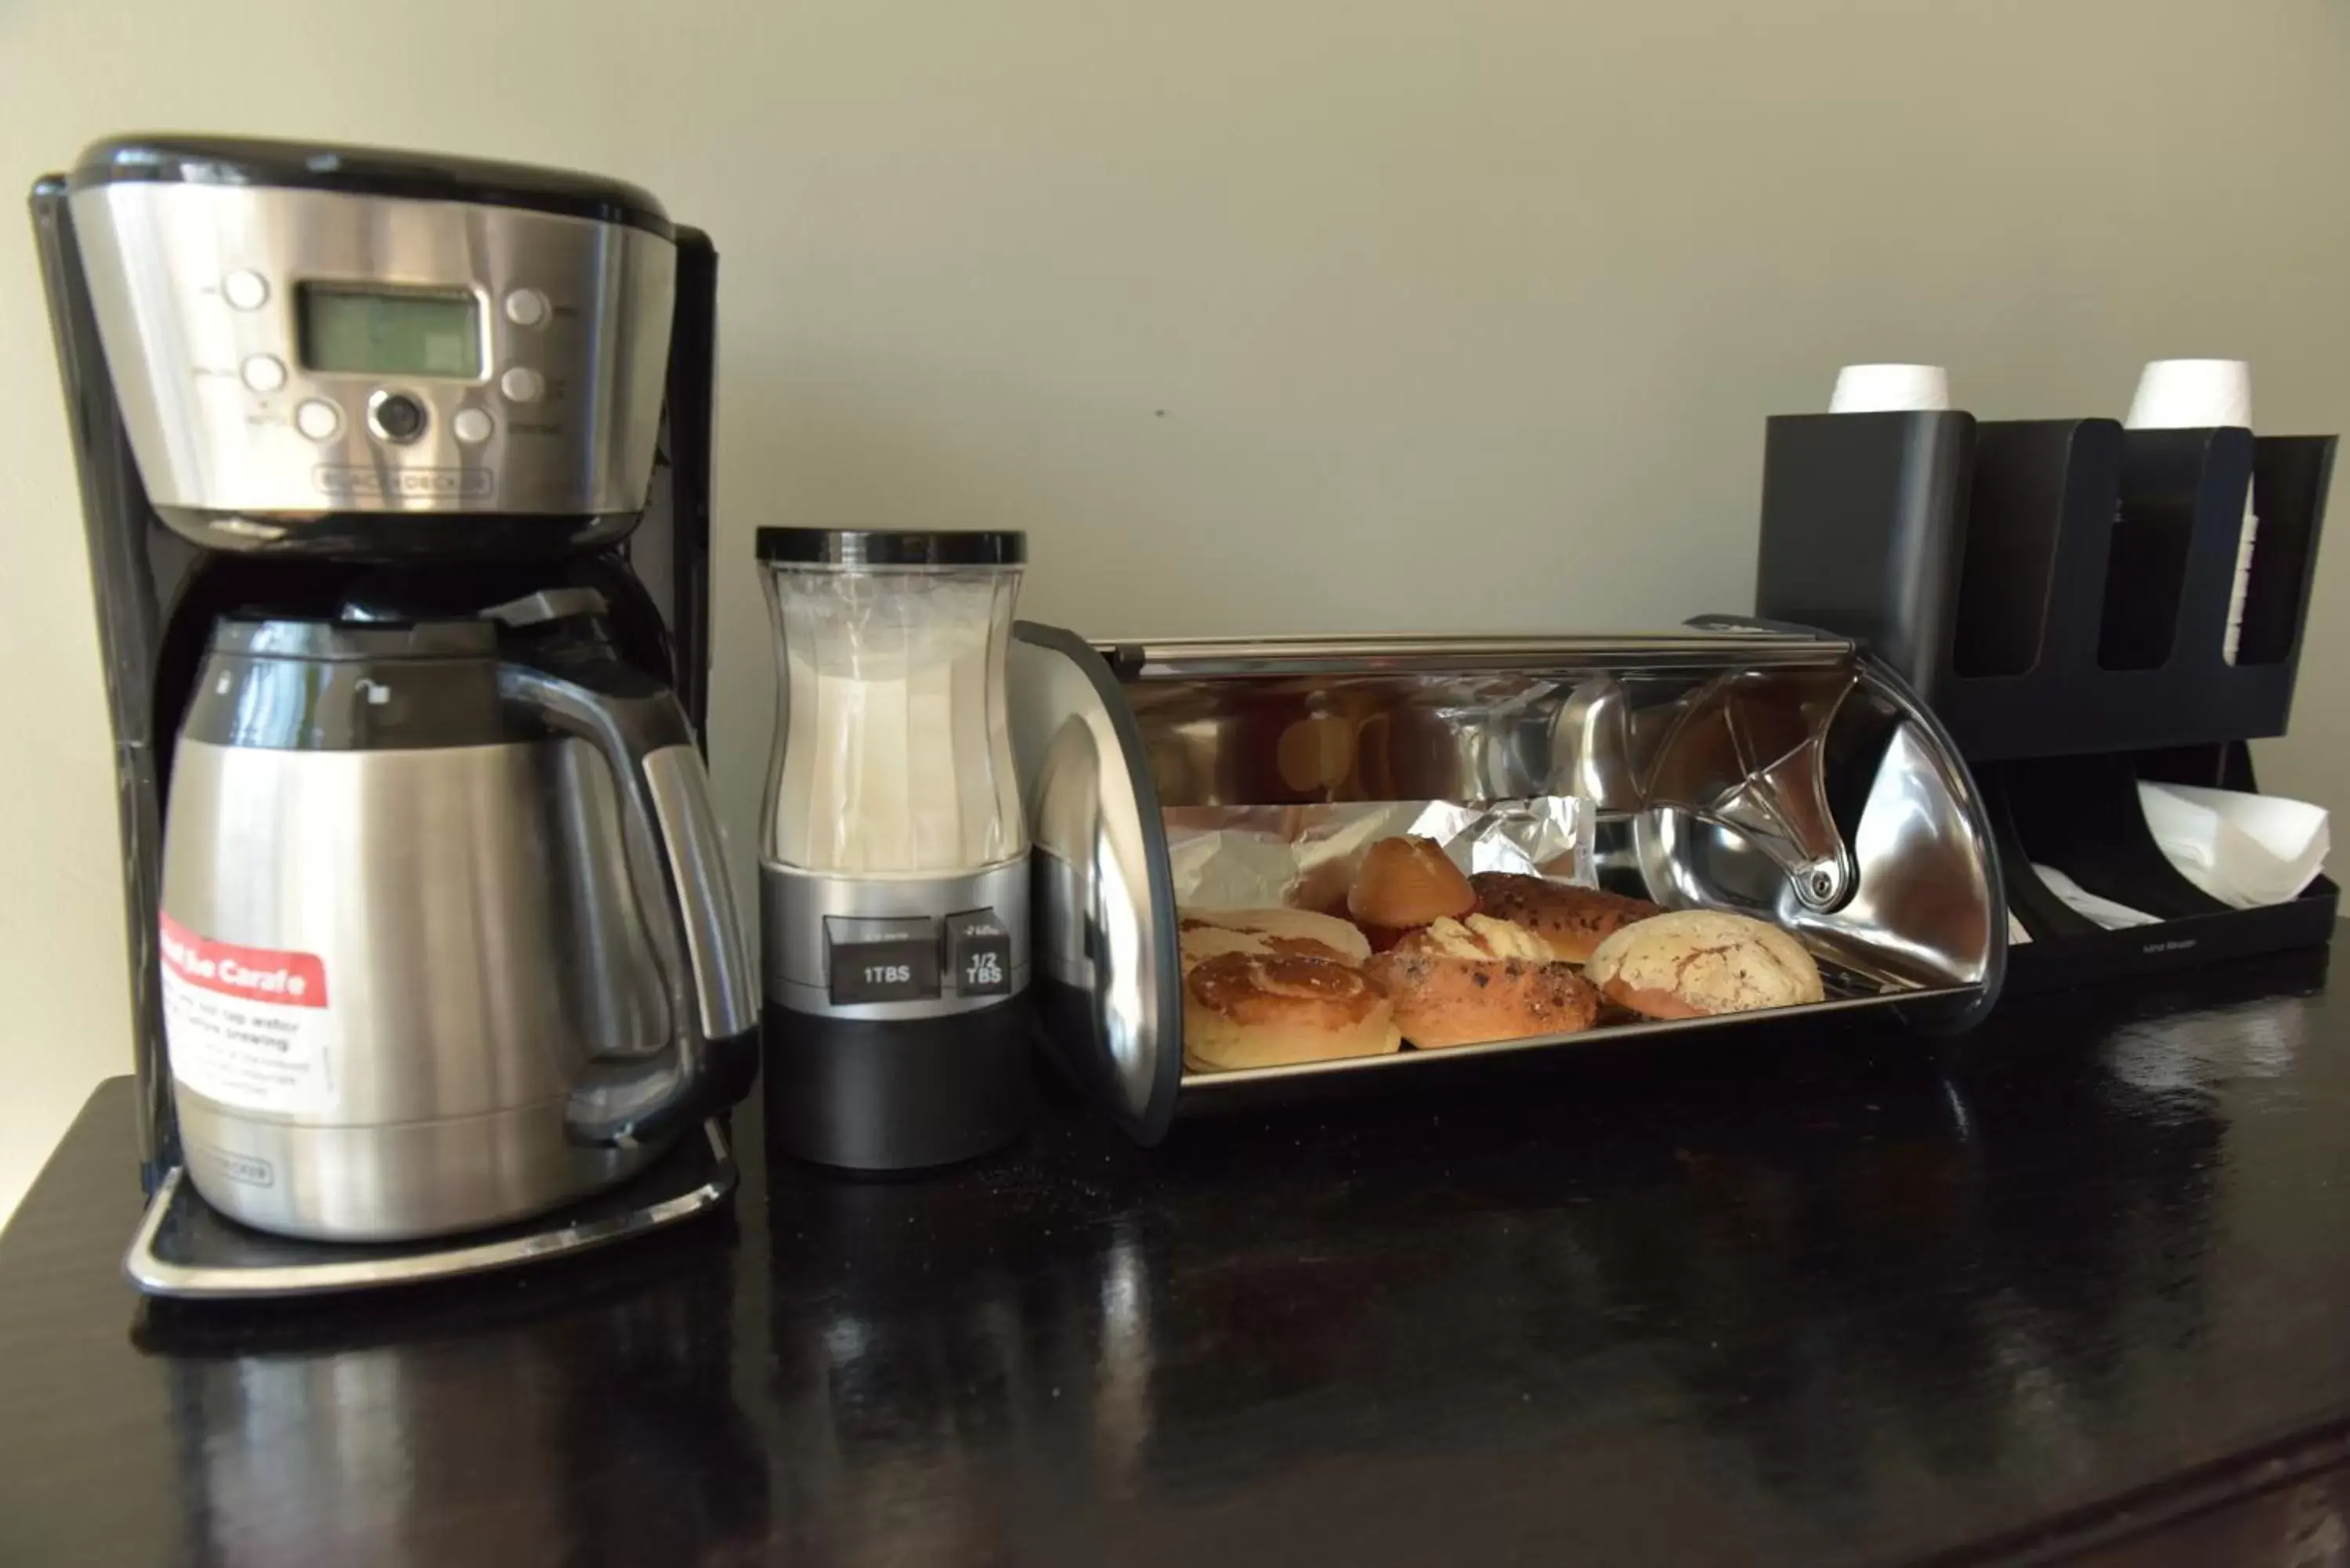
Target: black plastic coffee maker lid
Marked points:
893	547
367	171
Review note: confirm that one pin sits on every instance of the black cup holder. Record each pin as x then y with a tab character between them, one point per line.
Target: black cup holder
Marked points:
2058	591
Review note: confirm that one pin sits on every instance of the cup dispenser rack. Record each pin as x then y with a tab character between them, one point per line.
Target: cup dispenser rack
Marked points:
2057	590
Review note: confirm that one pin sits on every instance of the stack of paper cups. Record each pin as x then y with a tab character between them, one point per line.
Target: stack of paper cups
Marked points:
1890	389
2193	394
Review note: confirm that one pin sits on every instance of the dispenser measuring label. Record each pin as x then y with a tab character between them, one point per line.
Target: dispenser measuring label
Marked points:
248	1027
979	950
881	959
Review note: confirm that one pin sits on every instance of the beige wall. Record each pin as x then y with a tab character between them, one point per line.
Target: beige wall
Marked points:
1259	314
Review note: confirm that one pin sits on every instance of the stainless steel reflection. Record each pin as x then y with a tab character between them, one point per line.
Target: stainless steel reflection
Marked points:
1194	658
1379	734
1098	851
727	990
210	392
392	1180
1731	746
1916	916
483	942
1745	752
1193	1082
1594	727
1241	856
1688	863
1774	772
793	905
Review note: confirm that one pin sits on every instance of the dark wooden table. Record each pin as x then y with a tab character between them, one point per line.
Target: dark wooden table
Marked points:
2074	1287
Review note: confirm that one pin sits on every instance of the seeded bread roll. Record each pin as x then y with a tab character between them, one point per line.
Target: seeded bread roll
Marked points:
1571	920
1465	982
1258	1009
1696	963
1203	934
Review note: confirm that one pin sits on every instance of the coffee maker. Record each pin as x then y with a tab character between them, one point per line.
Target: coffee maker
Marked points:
396	479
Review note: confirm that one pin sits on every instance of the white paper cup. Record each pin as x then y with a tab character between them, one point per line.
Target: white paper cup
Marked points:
1890	389
2190	394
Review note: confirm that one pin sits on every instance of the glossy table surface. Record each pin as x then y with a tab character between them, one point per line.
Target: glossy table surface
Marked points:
1822	1294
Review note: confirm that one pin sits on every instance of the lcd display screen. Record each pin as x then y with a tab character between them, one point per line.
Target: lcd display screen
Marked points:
390	332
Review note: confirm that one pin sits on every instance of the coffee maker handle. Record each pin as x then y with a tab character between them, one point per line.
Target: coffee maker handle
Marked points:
713	1054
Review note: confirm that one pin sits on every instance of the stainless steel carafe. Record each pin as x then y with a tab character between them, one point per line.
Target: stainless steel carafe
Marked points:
446	937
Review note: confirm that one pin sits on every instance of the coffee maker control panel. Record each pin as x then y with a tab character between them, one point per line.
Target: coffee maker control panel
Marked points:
280	351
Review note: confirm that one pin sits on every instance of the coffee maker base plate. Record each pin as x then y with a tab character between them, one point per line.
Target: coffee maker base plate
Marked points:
185	1249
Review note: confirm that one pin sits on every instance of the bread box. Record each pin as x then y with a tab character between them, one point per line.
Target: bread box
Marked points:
1775	771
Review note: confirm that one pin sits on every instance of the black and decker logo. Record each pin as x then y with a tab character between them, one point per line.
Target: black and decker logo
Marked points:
409	484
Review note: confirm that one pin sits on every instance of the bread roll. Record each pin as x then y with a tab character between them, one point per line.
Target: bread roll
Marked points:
1407	882
1571	920
1479	938
1696	963
1260	1010
1204	934
1450	987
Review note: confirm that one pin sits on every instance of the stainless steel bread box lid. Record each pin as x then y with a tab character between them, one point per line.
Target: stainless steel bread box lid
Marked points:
1775	771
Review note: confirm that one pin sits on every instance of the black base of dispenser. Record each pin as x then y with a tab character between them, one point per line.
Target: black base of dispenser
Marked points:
2091	956
896	1096
2082	816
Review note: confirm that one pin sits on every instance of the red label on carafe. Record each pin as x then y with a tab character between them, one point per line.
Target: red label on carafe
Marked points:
251	974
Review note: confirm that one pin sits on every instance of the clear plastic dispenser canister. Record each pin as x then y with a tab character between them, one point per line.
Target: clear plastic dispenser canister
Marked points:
894	855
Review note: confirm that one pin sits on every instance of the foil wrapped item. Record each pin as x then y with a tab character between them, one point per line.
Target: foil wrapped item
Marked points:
1305	856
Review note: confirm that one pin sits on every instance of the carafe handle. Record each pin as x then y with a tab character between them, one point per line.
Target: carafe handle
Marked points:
712	1053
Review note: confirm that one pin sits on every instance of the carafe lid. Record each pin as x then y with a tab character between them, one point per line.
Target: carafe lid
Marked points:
286	636
893	547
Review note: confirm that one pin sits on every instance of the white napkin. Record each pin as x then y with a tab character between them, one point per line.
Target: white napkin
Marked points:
2244	850
2097	912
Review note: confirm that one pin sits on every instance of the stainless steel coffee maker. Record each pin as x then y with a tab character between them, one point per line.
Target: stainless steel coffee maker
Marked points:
395	473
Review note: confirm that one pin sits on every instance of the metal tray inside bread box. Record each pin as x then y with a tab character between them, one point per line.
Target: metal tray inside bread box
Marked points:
1772	770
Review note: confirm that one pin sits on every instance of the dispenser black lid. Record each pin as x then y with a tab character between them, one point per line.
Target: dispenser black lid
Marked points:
367	171
893	547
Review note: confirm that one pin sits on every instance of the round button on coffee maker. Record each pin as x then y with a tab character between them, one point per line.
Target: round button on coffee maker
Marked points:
526	307
396	417
262	372
318	419
245	290
522	384
470	426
